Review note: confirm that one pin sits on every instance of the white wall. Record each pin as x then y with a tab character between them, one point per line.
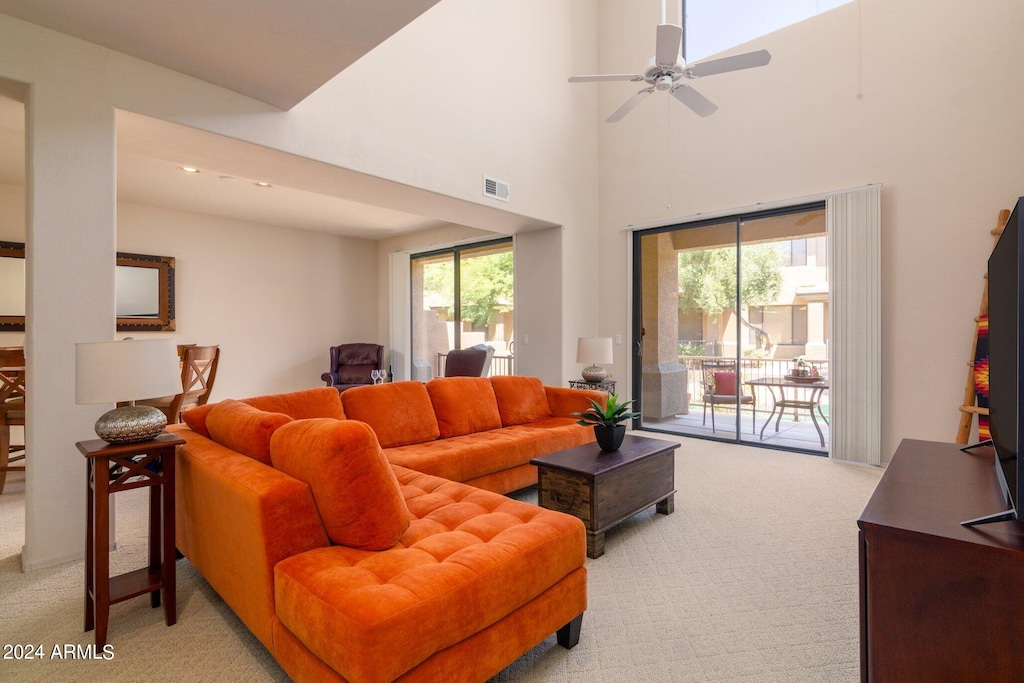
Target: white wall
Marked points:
923	97
273	298
539	281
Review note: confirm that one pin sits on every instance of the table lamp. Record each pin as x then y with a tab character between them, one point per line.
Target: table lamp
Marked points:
129	370
594	350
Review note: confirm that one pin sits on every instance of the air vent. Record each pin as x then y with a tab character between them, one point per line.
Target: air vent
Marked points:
498	189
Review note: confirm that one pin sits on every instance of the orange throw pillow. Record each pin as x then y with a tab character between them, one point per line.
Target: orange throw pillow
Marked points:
463	405
243	428
400	413
317	402
353	485
195	418
520	399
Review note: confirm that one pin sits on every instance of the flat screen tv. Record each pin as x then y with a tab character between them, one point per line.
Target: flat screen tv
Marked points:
1005	376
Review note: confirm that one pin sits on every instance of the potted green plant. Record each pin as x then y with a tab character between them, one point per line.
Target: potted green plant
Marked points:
607	421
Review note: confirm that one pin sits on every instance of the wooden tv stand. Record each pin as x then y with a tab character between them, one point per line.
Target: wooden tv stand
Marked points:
940	601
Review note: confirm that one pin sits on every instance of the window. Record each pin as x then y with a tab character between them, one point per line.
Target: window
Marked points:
785	325
462	297
713	26
794	253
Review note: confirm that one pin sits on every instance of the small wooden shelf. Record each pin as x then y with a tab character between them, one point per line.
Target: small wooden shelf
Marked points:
113	468
134	584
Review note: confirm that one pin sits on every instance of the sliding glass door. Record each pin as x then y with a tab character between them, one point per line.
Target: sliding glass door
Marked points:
462	297
731	317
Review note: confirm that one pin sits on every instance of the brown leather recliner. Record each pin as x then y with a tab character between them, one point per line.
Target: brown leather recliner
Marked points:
351	365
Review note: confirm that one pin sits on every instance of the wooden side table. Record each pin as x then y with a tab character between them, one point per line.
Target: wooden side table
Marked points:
119	467
605	385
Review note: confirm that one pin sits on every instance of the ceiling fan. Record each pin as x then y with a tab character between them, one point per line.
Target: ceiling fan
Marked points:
667	68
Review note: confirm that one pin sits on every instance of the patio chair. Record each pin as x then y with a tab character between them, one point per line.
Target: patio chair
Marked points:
720	388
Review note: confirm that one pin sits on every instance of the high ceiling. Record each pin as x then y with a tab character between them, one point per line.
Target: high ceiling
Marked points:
273	51
277	52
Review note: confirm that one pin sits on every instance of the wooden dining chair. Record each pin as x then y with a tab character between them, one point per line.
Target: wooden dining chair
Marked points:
198	373
12	409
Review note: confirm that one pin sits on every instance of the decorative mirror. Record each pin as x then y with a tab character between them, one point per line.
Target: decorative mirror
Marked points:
144	299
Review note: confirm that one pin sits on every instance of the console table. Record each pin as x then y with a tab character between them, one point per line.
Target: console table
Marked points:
940	601
119	467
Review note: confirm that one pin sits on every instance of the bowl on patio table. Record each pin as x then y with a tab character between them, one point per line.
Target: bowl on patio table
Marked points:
804	379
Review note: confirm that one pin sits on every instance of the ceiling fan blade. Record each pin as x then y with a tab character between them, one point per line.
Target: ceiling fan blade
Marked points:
748	60
606	77
628	106
700	105
666	50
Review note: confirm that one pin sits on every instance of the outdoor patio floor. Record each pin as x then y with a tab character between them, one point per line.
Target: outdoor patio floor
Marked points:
792	434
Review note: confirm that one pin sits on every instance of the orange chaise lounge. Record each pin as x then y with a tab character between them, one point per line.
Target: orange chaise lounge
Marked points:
348	567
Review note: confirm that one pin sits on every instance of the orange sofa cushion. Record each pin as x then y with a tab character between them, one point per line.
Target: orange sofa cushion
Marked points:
244	429
400	413
520	399
318	402
463	405
353	485
564	402
462	458
468	559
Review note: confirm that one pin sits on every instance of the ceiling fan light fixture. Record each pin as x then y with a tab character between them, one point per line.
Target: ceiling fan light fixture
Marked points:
668	66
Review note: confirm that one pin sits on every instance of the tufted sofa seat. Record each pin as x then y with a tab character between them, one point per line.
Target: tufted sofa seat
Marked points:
469	559
350	567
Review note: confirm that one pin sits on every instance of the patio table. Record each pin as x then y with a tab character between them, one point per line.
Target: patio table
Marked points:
811	402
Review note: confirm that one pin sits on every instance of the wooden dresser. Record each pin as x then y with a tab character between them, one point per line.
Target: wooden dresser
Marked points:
940	601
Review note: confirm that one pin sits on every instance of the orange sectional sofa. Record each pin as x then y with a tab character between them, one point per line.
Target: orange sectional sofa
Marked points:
349	565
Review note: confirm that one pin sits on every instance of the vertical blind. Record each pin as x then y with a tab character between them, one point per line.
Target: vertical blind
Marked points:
853	220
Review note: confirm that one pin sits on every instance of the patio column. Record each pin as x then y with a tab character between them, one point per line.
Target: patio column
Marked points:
663	377
815	347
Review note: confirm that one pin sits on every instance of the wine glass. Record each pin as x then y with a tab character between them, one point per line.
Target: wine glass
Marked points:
377	376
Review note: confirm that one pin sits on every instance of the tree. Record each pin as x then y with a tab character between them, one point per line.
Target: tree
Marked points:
707	278
485	282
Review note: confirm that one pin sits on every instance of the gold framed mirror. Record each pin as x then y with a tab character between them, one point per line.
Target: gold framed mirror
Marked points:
144	299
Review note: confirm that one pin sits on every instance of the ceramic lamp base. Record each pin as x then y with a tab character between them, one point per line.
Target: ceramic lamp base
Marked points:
594	373
130	424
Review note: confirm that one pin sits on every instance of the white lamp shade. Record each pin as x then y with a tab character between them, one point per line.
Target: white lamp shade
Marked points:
594	350
129	370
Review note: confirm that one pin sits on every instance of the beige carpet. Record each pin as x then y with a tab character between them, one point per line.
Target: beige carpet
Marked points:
753	578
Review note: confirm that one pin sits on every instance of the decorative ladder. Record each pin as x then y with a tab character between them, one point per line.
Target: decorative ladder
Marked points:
968	409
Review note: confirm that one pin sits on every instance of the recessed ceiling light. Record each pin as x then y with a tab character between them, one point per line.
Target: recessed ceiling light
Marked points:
259	183
188	169
227	177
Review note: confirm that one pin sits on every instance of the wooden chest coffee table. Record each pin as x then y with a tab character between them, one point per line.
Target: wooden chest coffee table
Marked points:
603	489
